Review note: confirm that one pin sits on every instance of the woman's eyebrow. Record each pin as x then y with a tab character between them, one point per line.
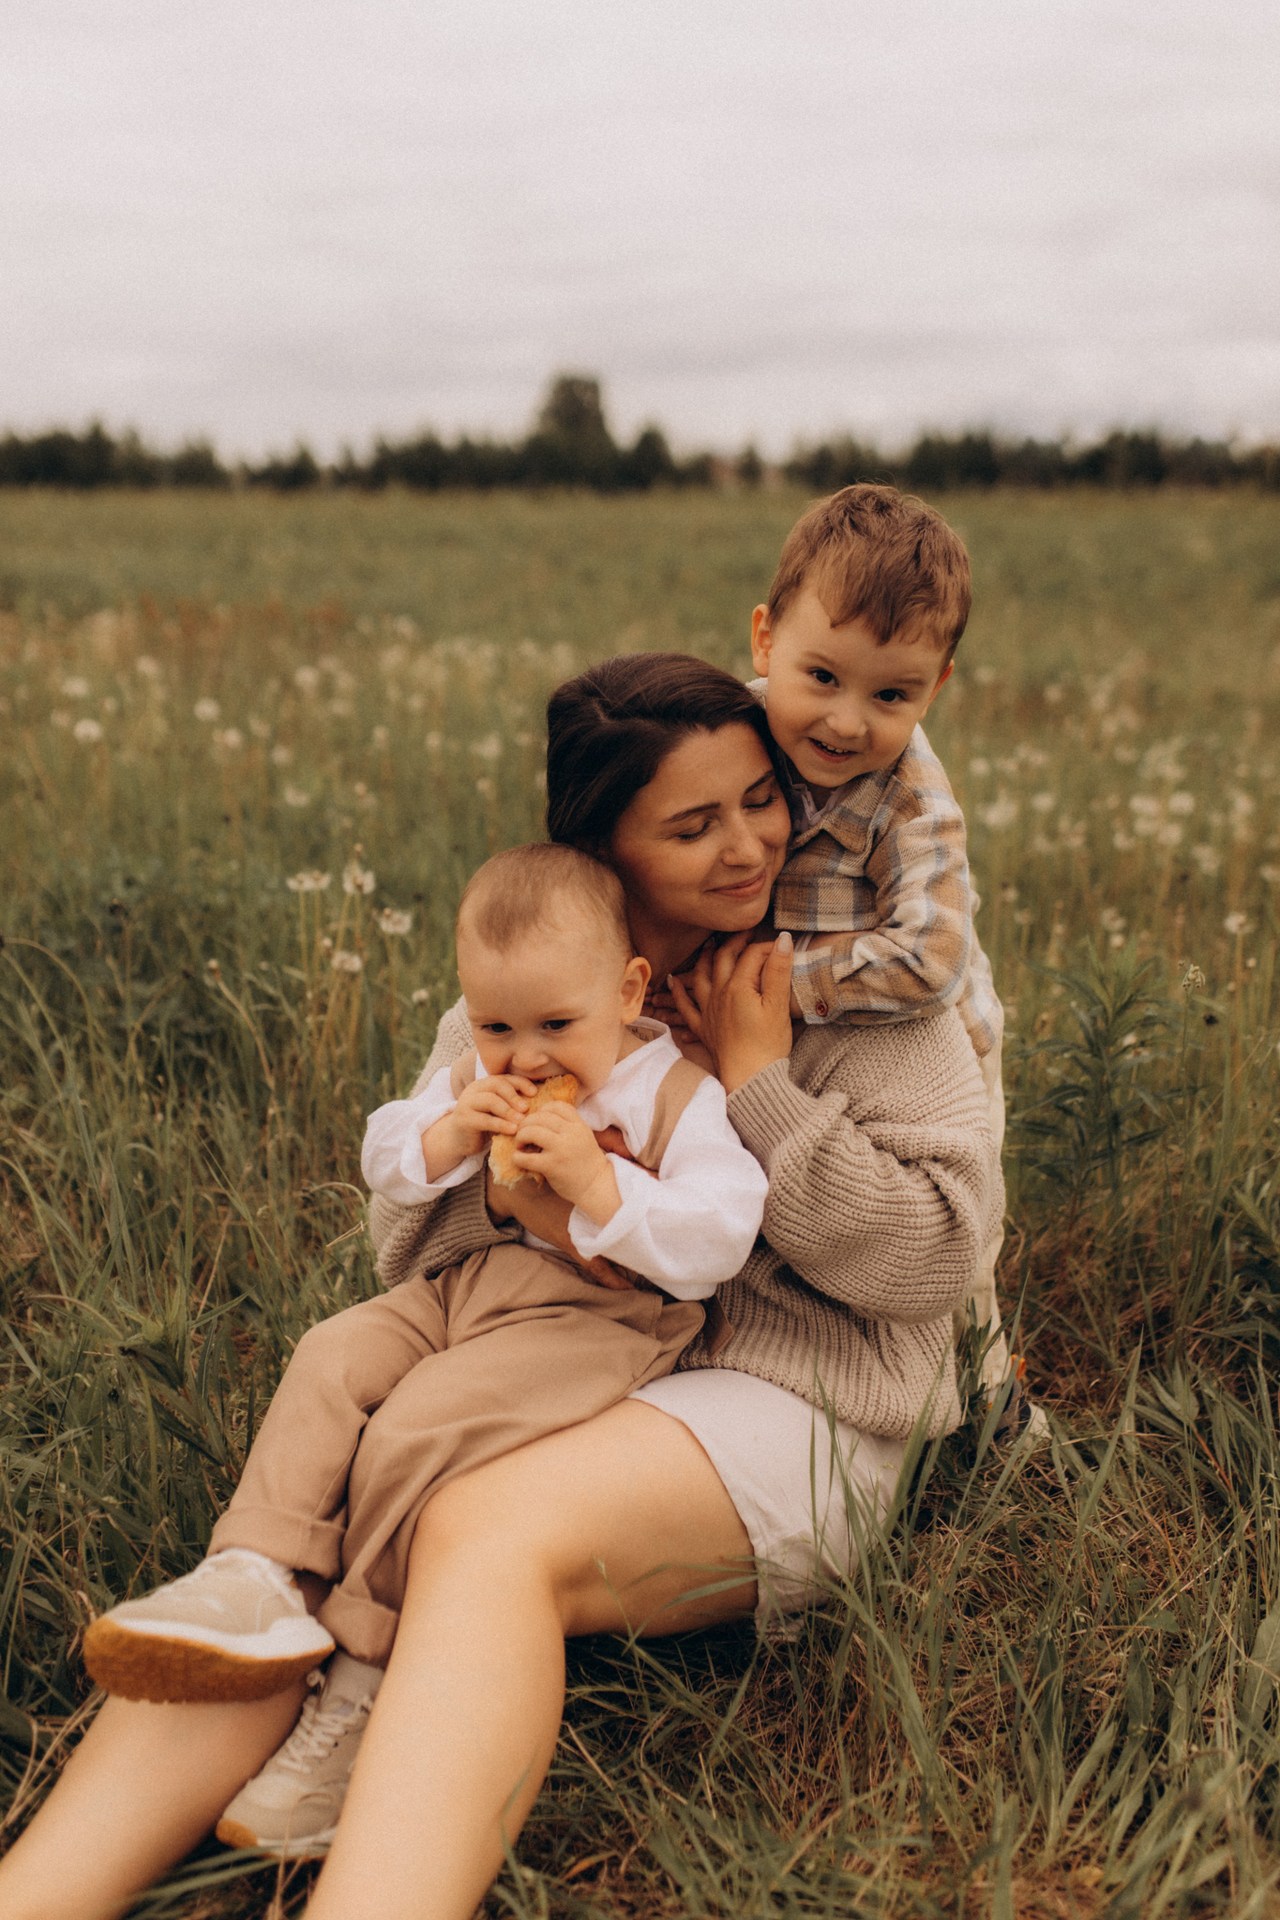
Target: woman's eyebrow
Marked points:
707	806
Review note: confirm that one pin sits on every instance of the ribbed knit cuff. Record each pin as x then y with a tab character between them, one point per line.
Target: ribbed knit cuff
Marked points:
768	1107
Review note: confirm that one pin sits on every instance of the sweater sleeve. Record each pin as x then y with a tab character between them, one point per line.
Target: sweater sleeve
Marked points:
886	1215
409	1240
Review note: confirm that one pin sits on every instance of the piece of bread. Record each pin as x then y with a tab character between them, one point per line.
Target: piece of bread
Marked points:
505	1171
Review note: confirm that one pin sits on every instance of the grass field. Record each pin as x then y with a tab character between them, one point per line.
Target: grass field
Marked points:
244	737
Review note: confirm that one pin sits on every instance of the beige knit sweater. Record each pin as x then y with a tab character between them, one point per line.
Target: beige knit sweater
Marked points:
883	1190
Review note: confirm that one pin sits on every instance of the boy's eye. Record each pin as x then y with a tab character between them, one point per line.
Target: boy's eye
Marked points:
556	1026
495	1026
891	695
823	677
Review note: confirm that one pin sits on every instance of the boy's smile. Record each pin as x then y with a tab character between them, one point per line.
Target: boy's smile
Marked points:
839	702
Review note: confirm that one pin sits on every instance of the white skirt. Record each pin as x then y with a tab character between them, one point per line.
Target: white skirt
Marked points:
808	1487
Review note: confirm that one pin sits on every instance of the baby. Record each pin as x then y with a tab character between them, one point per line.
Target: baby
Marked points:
383	1403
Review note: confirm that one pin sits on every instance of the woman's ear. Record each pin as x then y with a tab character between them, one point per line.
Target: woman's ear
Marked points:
635	983
761	640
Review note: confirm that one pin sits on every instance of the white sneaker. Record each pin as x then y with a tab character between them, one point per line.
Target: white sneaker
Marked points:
290	1809
236	1628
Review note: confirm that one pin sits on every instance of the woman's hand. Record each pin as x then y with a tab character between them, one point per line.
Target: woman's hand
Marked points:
739	999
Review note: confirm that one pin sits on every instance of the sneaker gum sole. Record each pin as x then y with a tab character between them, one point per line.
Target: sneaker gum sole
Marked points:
314	1847
140	1666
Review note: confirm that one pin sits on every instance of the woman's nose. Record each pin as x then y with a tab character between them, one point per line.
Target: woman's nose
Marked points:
744	847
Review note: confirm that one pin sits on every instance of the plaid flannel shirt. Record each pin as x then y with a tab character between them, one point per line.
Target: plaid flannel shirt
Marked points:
887	867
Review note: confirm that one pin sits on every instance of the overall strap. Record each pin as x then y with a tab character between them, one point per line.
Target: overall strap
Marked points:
462	1073
675	1090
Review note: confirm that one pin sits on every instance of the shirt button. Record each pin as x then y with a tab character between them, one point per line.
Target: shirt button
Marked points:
821	1008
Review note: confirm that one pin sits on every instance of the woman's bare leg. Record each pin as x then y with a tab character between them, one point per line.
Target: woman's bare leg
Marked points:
143	1787
602	1527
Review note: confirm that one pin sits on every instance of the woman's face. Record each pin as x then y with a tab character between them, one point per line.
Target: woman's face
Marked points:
699	848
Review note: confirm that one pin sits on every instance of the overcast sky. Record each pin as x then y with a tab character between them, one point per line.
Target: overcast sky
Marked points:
258	219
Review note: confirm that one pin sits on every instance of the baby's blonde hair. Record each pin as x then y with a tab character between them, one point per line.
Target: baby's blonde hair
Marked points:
541	886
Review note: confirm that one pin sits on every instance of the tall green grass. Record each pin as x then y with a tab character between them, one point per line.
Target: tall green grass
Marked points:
1056	1690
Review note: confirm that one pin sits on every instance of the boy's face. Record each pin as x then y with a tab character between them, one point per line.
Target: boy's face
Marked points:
555	1003
839	703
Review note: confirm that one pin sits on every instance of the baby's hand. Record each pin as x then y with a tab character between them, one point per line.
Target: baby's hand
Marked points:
495	1104
557	1143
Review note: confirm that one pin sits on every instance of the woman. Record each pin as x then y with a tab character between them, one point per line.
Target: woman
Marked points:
694	1500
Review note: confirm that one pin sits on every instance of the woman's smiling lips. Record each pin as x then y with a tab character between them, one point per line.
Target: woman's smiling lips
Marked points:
744	889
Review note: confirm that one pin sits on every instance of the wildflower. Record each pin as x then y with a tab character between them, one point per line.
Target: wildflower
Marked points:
75	688
979	767
87	732
213	970
1193	980
1169	833
485	788
1235	923
433	741
148	666
1123	842
381	737
1271	874
358	879
404	628
420	996
1112	920
312	881
1043	802
344	961
306	679
1000	814
1207	859
489	747
1182	802
231	738
296	796
395	922
207	710
281	756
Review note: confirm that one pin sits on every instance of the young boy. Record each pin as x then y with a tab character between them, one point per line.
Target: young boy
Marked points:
383	1403
870	598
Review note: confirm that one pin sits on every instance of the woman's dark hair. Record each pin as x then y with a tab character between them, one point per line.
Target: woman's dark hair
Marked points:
610	729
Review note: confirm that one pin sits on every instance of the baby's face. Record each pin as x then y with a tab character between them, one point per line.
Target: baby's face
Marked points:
556	1002
839	703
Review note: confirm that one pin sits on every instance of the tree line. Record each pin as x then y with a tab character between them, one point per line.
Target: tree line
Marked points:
570	445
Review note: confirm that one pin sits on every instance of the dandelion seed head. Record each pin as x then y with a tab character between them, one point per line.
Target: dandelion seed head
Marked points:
87	732
488	747
231	738
75	687
420	996
395	922
1182	802
296	796
999	814
207	710
357	878
1193	980
148	666
306	678
342	960
1236	923
979	767
310	881
282	756
380	737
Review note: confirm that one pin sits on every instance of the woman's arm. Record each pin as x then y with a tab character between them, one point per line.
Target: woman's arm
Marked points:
413	1240
882	1204
886	1214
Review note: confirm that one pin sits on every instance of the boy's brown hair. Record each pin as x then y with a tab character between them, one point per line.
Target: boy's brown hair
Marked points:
874	554
542	886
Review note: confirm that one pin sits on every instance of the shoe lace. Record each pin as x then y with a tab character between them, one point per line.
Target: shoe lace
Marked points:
321	1725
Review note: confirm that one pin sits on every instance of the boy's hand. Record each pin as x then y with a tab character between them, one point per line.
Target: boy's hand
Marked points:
496	1104
741	994
557	1143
